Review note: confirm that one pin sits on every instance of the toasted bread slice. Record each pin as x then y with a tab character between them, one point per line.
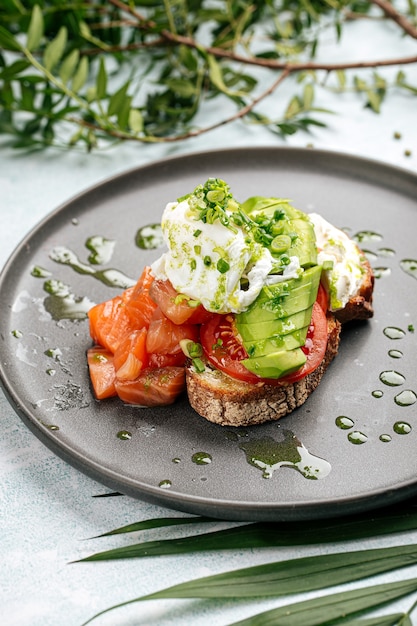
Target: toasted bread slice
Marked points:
229	402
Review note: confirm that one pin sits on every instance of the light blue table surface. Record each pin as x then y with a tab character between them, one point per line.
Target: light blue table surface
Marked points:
47	508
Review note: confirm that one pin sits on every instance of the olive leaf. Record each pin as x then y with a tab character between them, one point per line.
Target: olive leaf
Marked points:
55	49
36	28
80	76
101	82
69	65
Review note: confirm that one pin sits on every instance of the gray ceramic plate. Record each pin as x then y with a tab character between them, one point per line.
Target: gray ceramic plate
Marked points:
351	447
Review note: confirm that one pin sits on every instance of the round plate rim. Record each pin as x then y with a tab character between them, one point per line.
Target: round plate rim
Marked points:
223	509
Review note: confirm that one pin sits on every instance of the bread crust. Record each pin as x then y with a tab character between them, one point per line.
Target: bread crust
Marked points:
229	402
359	306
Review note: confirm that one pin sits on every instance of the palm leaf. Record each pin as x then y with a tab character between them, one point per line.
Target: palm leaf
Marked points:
155	523
319	611
266	534
325	610
294	575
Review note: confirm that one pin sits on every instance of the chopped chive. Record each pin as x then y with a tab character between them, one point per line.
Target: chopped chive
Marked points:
180	298
195	349
199	365
197	249
280	244
207	261
222	266
193	264
197	232
328	265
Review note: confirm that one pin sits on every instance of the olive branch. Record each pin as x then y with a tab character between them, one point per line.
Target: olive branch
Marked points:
61	63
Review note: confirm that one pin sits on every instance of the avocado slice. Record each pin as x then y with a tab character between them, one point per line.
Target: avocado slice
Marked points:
262	347
303	243
283	299
276	364
276	327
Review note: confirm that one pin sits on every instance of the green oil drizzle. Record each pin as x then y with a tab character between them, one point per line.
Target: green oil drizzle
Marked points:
17	334
124	435
402	428
49	426
40	272
377	393
62	304
51	372
165	484
54	353
392	378
101	249
149	237
405	398
392	332
344	423
110	277
176	460
268	455
409	266
201	458
357	437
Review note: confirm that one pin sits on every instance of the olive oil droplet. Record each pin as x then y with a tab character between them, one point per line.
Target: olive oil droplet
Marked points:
392	332
124	435
392	378
165	484
377	393
201	458
385	438
405	398
343	422
367	235
357	437
409	266
149	237
395	354
402	428
381	272
386	252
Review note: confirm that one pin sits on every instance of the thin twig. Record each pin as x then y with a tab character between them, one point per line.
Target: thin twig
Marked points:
396	17
292	67
192	133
